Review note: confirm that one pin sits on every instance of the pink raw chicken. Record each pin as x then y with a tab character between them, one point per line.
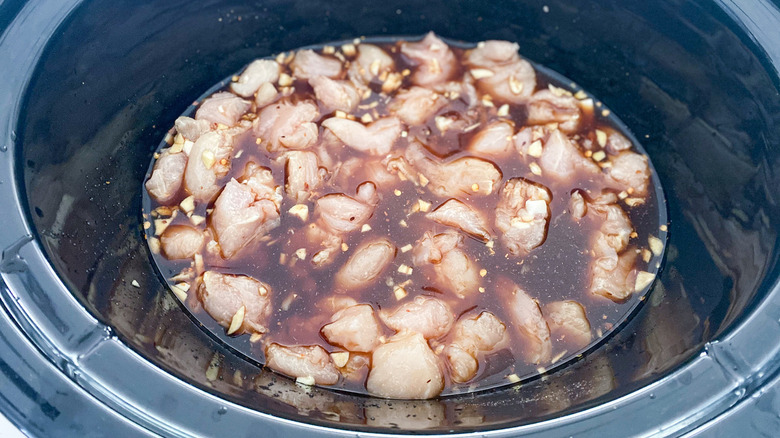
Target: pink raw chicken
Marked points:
473	335
354	328
302	361
224	295
430	317
436	62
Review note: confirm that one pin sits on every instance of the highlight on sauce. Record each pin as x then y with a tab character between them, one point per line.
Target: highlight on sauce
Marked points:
406	219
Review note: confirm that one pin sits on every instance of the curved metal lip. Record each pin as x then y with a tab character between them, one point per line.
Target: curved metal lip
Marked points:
638	299
726	371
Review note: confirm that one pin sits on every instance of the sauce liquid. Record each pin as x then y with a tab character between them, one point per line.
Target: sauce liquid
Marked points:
557	270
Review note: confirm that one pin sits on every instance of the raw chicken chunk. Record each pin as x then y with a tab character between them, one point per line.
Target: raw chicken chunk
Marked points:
436	62
464	176
405	367
354	328
473	335
559	156
259	72
452	266
366	264
530	324
308	64
287	125
343	214
612	268
578	207
567	321
547	106
523	215
303	175
430	317
167	176
495	140
181	242
208	163
631	171
335	95
245	211
416	105
304	361
223	107
192	129
224	295
377	138
501	72
456	214
617	142
370	62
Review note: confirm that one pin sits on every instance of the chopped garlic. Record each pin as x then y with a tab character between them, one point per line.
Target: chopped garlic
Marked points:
308	380
535	169
482	272
348	49
513	378
366	118
285	80
208	158
188	204
301	253
599	155
237	321
406	248
423	205
643	279
197	219
656	245
601	137
481	73
405	269
503	111
344	247
580	95
400	293
515	86
365	228
535	149
340	358
300	211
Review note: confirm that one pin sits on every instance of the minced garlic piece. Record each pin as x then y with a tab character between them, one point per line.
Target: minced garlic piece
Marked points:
400	293
301	253
366	118
179	292
208	158
535	149
237	321
308	380
535	169
406	248
601	137
405	269
643	279
656	245
633	202
365	228
599	155
188	204
300	211
285	80
646	255
344	247
340	358
513	378
481	73
503	110
482	272
349	49
515	86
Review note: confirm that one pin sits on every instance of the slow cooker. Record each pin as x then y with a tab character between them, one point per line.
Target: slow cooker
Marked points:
92	343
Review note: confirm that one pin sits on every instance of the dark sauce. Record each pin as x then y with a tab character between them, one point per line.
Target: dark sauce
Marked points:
557	270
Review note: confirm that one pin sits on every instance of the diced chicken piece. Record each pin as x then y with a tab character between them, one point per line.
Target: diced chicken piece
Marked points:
612	268
616	283
578	208
265	95
473	335
523	215
366	264
370	62
287	125
463	90
456	214
357	169
192	129
335	95
308	64
430	249
259	72
246	211
427	316
405	367
631	171
336	302
223	107
416	105
209	162
325	241
181	242
559	156
530	325
356	368
495	140
568	322
354	328
167	176
343	214
617	142
436	62
452	266
303	175
548	107
464	176
224	295
507	77
377	138
302	361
